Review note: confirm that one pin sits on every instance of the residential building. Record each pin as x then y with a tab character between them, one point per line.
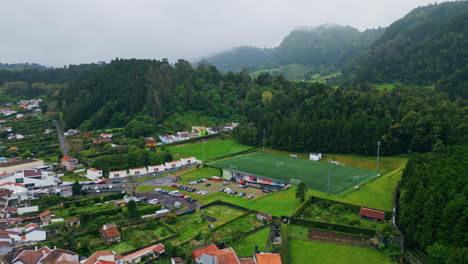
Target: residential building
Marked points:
68	162
103	257
154	251
30	178
45	217
190	160
7	129
183	135
100	140
138	171
117	174
46	255
177	260
48	131
156	168
173	164
167	139
106	135
197	254
150	142
110	233
72	222
94	174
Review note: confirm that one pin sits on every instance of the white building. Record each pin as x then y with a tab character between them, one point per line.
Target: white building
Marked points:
156	168
138	171
173	164
106	135
117	174
30	178
189	160
315	156
94	174
18	191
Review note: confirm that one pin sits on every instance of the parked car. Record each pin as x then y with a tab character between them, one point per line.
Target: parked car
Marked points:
234	193
153	201
241	194
208	184
250	197
266	191
158	190
221	190
174	185
225	183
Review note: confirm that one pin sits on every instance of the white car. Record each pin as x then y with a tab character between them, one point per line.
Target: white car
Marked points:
153	201
157	189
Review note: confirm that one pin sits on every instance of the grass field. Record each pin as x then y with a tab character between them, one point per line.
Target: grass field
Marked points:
245	246
325	253
313	174
212	149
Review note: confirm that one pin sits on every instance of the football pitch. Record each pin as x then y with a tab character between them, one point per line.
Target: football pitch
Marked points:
313	174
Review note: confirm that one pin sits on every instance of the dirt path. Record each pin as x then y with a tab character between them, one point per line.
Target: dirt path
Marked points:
337	238
63	142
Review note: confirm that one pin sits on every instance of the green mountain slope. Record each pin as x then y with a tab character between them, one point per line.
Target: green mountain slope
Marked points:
326	45
426	45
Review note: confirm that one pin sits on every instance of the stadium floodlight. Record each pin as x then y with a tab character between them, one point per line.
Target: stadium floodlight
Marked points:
329	162
378	154
263	140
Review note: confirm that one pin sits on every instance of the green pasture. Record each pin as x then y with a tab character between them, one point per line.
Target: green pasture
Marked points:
211	149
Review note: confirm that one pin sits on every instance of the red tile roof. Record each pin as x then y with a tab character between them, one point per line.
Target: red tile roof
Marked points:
224	256
66	158
372	213
268	258
96	170
210	248
44	213
111	232
158	248
94	258
11	183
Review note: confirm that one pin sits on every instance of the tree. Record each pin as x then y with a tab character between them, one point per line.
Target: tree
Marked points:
438	252
132	211
77	189
301	192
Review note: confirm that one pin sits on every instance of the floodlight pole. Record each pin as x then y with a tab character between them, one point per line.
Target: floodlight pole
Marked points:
203	149
263	140
329	161
378	154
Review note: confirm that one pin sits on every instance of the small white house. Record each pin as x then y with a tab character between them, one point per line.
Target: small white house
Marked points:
117	174
189	160
156	168
138	171
173	164
19	115
106	135
315	156
93	174
34	234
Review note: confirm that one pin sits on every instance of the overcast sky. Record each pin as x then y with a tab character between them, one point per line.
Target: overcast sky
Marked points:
62	32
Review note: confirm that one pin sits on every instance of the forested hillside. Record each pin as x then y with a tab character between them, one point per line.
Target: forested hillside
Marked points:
426	45
323	46
434	203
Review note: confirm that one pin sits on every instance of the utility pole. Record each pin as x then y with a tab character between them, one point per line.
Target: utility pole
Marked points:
378	154
263	140
329	161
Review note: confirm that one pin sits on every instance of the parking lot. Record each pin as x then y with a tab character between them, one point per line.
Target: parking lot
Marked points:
169	200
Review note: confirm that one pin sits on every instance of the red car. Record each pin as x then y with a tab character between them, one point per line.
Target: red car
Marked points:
175	185
182	195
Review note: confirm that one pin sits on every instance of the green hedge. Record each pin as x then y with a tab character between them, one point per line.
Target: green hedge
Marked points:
334	227
284	243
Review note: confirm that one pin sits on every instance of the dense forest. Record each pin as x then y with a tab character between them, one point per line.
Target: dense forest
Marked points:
434	203
426	45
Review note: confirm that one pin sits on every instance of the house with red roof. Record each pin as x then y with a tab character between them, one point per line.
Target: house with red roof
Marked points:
153	251
156	168
93	174
267	258
138	171
100	140
190	160
150	142
68	162
117	174
110	233
173	164
103	257
106	135
371	214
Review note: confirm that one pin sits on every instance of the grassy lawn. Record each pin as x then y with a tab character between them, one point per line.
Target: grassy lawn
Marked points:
245	246
231	231
325	253
222	212
198	174
212	148
74	177
145	188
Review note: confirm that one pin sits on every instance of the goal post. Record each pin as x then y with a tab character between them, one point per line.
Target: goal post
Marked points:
232	167
356	178
279	164
295	182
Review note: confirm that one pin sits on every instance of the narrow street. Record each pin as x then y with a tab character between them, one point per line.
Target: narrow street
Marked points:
63	142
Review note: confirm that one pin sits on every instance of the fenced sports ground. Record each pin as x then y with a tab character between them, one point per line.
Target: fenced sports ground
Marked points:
292	170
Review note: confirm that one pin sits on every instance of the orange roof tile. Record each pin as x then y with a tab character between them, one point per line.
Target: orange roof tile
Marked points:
268	258
210	248
111	232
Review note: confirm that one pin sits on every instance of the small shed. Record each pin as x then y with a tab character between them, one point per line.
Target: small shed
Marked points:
262	216
75	221
370	214
216	179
